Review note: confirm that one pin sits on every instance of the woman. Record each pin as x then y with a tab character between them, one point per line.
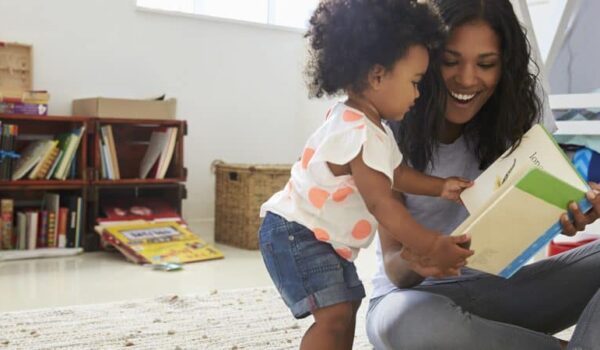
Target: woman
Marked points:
486	100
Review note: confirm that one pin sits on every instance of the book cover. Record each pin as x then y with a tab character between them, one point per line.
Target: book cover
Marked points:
537	148
23	108
160	242
167	154
156	146
30	156
43	165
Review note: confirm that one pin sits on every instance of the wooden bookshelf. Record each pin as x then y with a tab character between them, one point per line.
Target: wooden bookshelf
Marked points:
131	138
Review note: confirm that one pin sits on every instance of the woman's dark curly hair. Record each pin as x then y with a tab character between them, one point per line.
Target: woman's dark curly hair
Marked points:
511	110
349	37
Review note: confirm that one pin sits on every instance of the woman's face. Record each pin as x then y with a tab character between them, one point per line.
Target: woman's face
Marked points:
471	67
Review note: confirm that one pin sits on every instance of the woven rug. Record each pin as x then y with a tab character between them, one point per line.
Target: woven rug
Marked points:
233	319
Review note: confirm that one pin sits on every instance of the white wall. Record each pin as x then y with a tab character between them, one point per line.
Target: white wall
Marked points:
576	68
240	87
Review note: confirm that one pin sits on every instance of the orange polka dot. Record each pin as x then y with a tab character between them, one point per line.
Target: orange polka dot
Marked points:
341	194
360	127
306	156
344	253
321	234
362	229
317	197
351	116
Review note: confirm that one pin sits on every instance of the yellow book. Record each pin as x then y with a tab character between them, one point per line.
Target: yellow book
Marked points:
157	243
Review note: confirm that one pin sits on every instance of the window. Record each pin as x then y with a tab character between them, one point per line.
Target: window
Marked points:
287	13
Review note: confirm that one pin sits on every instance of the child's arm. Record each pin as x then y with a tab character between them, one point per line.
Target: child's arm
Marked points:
375	189
409	180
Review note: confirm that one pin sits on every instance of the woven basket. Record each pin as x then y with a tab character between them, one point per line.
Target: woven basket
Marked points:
240	191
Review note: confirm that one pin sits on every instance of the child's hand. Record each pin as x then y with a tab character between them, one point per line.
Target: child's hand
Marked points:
448	254
453	186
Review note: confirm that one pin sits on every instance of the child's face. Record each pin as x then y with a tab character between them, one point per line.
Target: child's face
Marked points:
398	89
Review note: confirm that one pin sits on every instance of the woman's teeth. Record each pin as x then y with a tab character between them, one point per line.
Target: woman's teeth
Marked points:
462	97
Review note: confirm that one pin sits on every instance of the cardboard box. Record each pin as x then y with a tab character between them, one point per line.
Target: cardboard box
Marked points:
125	108
16	96
15	69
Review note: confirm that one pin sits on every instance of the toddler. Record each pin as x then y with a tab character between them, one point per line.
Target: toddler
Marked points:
375	52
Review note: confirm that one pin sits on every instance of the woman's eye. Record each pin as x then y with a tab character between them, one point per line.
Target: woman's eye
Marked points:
449	63
487	65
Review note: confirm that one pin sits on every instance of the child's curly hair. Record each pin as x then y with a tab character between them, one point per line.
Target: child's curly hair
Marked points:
348	37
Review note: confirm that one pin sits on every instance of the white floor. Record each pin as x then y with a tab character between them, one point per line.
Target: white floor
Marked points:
100	277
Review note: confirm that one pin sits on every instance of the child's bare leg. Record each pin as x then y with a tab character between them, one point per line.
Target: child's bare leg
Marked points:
333	325
350	337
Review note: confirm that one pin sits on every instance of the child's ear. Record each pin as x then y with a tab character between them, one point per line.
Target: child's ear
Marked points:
375	76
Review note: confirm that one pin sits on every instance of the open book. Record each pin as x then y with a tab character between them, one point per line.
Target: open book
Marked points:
516	203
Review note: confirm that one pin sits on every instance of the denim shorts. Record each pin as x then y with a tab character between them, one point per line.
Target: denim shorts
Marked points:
308	273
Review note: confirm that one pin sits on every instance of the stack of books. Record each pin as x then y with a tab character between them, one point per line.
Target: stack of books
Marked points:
30	102
49	158
150	231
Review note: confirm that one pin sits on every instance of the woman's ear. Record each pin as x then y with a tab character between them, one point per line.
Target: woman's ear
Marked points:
375	76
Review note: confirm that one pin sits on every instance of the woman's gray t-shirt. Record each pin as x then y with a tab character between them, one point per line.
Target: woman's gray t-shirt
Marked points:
437	214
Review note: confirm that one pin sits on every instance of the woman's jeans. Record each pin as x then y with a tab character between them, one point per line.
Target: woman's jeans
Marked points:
495	313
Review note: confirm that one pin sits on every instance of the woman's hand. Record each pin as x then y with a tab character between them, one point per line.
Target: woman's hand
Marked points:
453	187
581	219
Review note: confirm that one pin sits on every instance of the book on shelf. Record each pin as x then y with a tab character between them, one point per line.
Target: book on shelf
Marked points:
7	149
7	240
51	203
516	203
26	108
68	144
32	96
30	156
159	153
45	161
156	243
109	152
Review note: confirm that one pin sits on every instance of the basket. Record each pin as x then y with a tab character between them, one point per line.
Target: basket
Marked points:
240	191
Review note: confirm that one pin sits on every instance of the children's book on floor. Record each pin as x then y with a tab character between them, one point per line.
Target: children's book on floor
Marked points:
516	203
157	243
